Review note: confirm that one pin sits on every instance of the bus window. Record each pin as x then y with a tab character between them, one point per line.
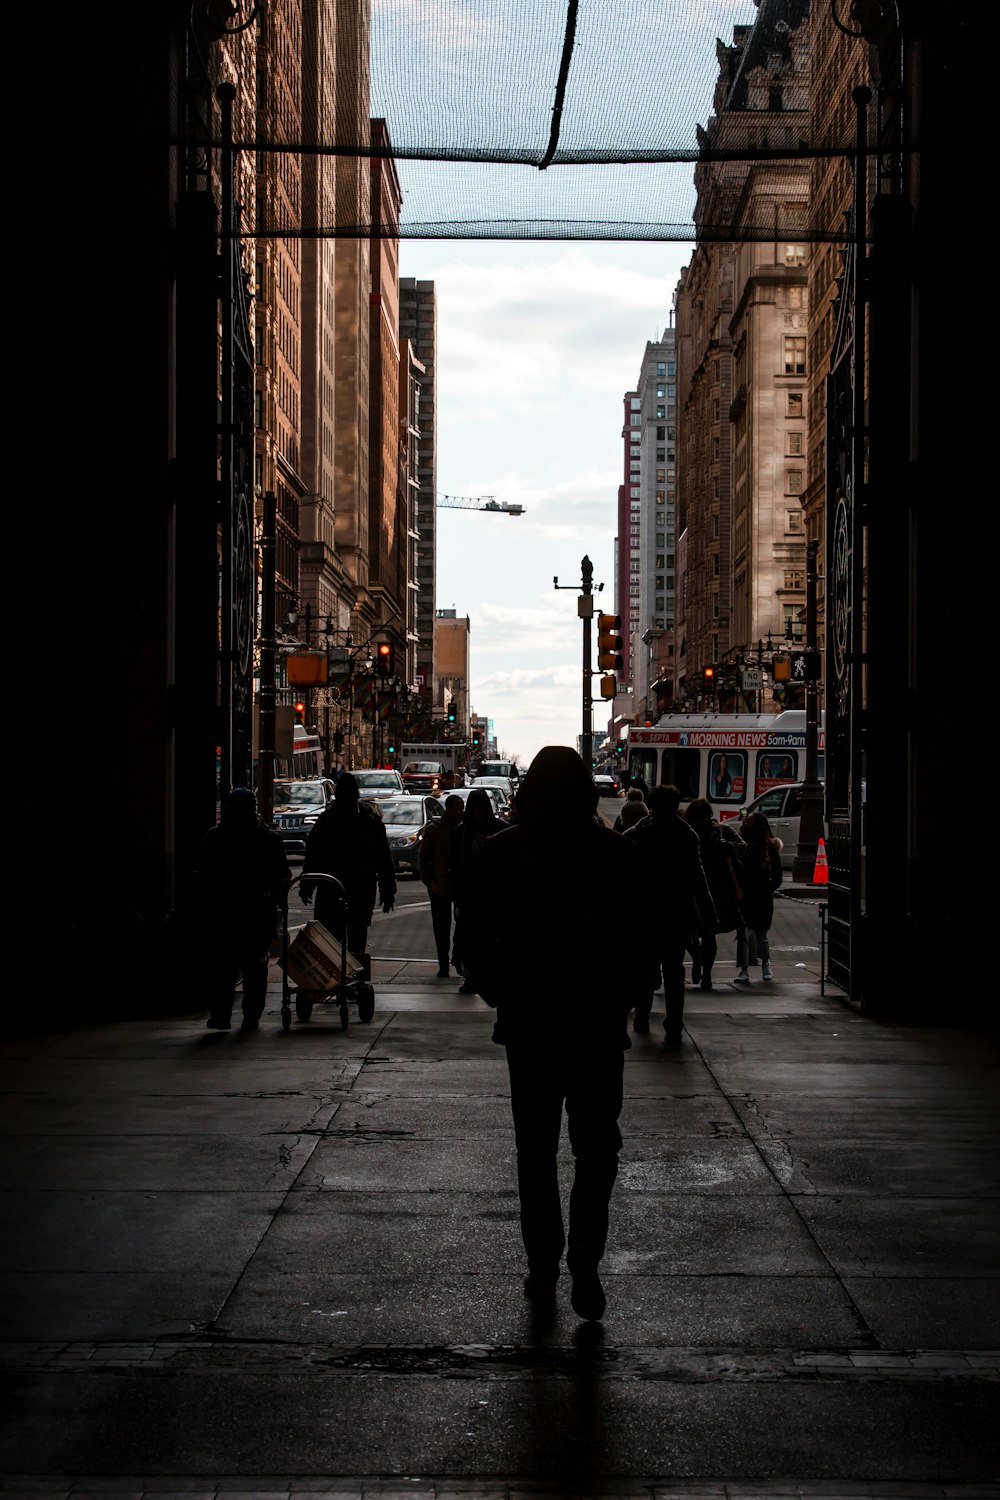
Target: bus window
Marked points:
774	767
642	764
680	769
727	776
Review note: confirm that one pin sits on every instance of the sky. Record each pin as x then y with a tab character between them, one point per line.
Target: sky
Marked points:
538	341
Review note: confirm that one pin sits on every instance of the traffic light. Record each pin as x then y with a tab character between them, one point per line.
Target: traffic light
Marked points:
609	644
300	713
781	668
477	739
609	685
384	658
452	712
708	679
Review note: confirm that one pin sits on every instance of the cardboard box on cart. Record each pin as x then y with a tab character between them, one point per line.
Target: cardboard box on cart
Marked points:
316	961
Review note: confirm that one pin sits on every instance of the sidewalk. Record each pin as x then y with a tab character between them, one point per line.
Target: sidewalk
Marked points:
289	1264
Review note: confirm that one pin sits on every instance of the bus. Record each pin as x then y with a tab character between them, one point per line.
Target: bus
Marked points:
727	758
306	759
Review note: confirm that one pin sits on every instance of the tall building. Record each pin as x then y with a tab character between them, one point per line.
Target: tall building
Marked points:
418	324
742	312
386	528
627	541
451	652
653	641
412	375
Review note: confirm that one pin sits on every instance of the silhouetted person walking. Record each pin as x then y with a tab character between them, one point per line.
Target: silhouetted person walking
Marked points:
349	841
636	808
720	849
468	839
434	865
671	858
242	883
562	996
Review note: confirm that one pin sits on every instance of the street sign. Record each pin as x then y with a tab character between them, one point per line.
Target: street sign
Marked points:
753	680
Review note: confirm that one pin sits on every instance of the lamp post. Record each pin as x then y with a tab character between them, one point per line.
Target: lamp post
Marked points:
811	815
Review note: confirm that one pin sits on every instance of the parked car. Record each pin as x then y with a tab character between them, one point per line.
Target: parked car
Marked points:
406	821
376	785
608	786
297	805
781	807
501	805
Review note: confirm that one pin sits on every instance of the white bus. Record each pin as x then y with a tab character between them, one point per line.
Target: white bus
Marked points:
728	758
306	759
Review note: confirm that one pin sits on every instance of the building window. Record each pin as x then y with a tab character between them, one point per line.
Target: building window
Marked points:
661	368
661	392
793	444
659	539
795	579
659	560
634	493
670	555
661	412
794	407
795	255
636	419
659	605
660	434
661	455
660	476
795	356
793	521
793	482
635	403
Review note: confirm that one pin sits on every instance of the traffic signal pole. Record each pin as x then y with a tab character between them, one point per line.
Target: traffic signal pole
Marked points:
585	609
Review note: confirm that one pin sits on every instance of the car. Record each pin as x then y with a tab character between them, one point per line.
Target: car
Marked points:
781	806
506	768
502	807
375	785
427	776
500	783
406	821
296	806
608	786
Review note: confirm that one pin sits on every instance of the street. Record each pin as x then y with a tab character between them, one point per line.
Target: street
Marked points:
403	936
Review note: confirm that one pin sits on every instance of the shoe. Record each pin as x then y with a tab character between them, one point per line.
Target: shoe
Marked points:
541	1287
467	989
442	973
766	972
705	983
219	1023
458	967
249	1024
587	1297
640	1024
672	1038
742	977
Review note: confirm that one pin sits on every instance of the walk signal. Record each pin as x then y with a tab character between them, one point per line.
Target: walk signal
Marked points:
609	686
609	645
384	658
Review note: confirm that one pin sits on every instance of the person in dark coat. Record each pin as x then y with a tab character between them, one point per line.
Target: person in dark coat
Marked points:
672	867
479	823
434	865
759	872
720	849
349	841
562	994
242	884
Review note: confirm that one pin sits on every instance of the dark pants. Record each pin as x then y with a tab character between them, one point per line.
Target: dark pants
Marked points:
441	913
672	948
225	967
588	1082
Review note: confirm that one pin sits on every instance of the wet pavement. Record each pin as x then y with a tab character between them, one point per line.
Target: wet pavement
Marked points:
289	1263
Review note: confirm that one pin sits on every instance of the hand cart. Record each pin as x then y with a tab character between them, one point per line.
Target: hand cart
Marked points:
334	976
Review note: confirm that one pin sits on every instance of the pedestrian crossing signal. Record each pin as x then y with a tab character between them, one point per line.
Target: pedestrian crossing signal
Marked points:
609	686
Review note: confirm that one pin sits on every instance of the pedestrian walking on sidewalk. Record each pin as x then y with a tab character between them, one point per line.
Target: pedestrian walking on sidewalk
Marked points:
242	885
478	824
758	870
720	848
349	841
671	858
633	812
562	997
434	866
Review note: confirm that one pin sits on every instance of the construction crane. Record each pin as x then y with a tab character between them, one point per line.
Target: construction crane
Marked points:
479	502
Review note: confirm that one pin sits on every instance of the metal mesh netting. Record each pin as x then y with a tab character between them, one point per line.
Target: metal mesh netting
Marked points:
562	119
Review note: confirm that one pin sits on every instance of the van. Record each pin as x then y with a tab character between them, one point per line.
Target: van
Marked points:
498	768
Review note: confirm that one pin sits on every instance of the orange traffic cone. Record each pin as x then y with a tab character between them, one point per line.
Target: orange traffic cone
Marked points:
821	870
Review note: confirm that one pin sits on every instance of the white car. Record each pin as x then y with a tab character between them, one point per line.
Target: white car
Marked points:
375	785
502	784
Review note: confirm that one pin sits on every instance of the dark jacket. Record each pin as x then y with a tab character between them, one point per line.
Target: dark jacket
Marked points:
479	823
243	875
673	871
720	848
434	856
534	938
759	878
350	843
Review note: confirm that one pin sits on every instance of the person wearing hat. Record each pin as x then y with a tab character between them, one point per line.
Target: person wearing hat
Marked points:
242	884
562	988
349	841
